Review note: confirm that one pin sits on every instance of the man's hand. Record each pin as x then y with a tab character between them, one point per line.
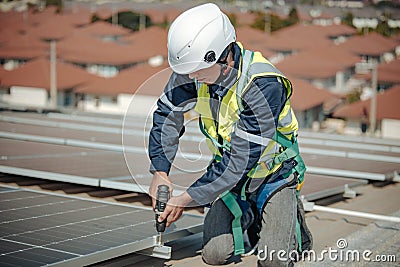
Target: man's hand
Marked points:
159	178
174	208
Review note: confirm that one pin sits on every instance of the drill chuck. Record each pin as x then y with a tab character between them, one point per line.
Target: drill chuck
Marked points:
161	203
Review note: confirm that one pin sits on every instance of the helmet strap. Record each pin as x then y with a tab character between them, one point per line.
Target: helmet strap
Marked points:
224	55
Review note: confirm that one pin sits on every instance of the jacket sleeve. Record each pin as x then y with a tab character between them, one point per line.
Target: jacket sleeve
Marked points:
262	103
178	97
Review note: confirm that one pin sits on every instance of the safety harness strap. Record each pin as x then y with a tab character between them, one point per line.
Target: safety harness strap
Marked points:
291	151
226	145
230	202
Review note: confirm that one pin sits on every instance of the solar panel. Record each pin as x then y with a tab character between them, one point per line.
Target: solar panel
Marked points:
38	228
352	139
351	168
321	186
103	164
137	125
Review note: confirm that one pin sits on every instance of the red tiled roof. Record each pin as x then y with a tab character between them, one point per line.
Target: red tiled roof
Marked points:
373	44
77	16
298	37
336	30
320	63
153	39
254	39
324	15
24	53
130	81
162	15
306	96
244	18
389	72
295	38
3	73
55	27
13	22
103	12
249	36
16	40
89	50
305	16
151	34
387	106
102	28
36	73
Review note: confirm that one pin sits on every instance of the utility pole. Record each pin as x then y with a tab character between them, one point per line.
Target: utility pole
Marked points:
142	22
53	75
114	16
372	112
267	22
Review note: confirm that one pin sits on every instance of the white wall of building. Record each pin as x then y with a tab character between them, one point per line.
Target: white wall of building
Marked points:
390	128
137	104
26	96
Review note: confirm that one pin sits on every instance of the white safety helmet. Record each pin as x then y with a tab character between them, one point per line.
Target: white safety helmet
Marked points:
197	38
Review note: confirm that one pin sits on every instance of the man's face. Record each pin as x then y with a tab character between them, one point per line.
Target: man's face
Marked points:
208	75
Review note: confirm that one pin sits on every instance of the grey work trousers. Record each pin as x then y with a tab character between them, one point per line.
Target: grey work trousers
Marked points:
278	231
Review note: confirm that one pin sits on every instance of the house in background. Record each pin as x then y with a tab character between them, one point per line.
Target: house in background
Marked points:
104	31
139	42
308	103
328	67
104	59
371	48
19	49
295	39
388	75
30	84
387	113
136	88
108	67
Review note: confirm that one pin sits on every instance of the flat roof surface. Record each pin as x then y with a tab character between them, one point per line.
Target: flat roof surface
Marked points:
86	149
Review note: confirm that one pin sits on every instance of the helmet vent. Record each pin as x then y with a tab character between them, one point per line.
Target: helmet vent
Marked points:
210	57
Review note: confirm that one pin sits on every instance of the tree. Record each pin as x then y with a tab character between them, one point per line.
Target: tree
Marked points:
233	18
273	21
57	3
293	17
95	18
348	19
131	20
383	28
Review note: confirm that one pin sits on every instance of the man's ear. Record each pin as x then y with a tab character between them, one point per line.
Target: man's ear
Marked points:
229	66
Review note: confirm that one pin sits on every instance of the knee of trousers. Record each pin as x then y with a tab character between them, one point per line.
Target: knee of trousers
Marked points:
218	249
274	263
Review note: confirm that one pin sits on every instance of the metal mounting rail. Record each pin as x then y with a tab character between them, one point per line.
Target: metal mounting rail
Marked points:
310	206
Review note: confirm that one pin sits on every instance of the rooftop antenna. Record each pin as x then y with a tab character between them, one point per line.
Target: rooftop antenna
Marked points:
114	16
142	22
53	75
374	85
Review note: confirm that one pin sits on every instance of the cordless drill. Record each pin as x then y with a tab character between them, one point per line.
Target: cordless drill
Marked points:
161	203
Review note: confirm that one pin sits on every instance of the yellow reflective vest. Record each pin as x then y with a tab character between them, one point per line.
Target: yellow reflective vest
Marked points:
253	65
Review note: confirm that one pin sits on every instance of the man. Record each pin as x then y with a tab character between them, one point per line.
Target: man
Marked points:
243	102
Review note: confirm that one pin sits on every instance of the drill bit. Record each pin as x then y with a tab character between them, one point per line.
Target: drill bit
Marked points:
160	239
